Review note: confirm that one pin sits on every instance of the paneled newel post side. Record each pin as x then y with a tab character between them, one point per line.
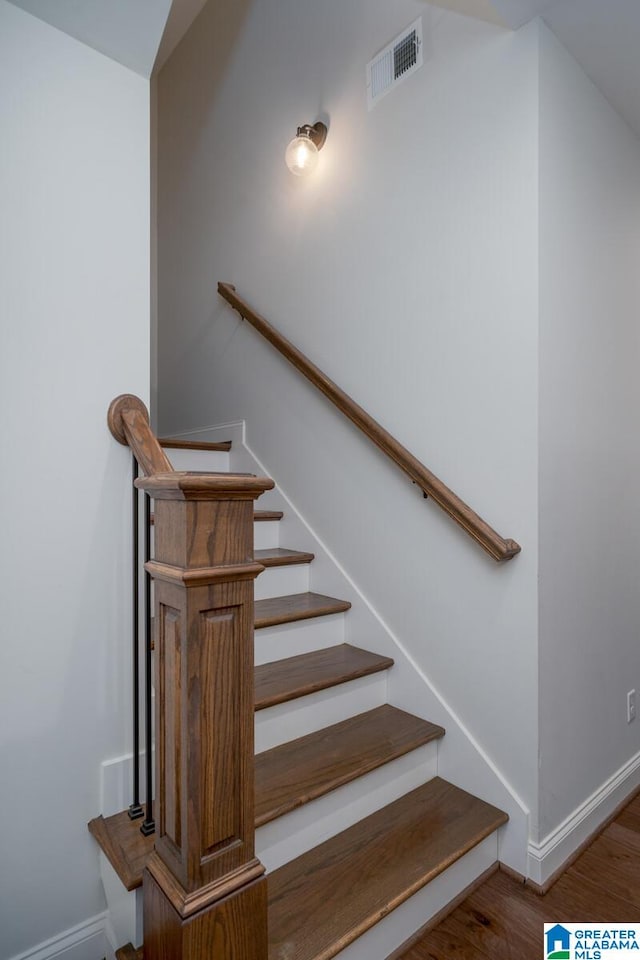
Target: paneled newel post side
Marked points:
204	889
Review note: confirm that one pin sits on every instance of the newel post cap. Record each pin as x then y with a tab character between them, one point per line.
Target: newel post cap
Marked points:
204	486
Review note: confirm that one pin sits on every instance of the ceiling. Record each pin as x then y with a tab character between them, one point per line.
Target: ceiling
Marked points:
602	35
181	16
136	33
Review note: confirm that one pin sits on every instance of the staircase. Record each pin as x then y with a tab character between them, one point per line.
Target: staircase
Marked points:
362	841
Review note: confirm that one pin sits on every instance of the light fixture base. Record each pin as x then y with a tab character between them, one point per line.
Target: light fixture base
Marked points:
316	132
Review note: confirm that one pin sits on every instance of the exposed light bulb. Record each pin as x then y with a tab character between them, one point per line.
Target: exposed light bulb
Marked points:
301	156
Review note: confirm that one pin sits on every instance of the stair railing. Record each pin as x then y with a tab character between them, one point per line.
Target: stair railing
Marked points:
136	809
204	888
498	547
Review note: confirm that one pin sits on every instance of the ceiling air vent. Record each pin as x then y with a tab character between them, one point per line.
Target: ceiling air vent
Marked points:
399	59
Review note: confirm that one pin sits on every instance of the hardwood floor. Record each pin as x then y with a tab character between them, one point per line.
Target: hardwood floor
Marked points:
503	919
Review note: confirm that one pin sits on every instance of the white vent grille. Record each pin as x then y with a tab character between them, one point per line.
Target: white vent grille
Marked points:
398	60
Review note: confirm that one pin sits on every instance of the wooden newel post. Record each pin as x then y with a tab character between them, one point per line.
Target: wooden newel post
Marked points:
204	889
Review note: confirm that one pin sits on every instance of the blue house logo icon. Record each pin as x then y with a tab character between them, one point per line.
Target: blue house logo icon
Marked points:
558	943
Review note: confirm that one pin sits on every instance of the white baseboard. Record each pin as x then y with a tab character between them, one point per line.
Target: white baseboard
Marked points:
548	856
89	940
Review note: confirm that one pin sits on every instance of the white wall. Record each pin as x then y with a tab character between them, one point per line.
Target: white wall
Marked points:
153	252
74	293
406	268
589	451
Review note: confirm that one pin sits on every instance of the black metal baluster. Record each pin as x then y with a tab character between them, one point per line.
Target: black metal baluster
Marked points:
148	825
135	809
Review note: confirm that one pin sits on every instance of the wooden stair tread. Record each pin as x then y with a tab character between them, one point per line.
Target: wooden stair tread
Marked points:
281	557
175	443
301	770
126	849
298	676
296	606
329	896
129	952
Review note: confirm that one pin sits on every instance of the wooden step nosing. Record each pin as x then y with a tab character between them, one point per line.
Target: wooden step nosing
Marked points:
369	922
440	915
376	664
328	786
356	765
293	616
210	446
286	559
411	889
475	822
129	952
100	831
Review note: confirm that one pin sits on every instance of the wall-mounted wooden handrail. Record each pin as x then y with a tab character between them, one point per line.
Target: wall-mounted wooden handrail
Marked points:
495	545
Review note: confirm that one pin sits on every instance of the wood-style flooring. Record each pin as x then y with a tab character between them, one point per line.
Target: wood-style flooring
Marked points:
503	919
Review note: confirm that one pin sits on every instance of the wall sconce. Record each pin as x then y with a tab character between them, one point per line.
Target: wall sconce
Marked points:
301	156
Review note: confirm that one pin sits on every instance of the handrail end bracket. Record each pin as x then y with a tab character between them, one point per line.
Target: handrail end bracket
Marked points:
125	403
512	549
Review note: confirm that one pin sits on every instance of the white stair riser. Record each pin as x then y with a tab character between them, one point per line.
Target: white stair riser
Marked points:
125	909
281	581
296	832
266	533
303	636
200	461
394	929
297	718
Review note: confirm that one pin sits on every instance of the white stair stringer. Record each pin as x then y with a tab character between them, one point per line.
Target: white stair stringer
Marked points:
461	759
